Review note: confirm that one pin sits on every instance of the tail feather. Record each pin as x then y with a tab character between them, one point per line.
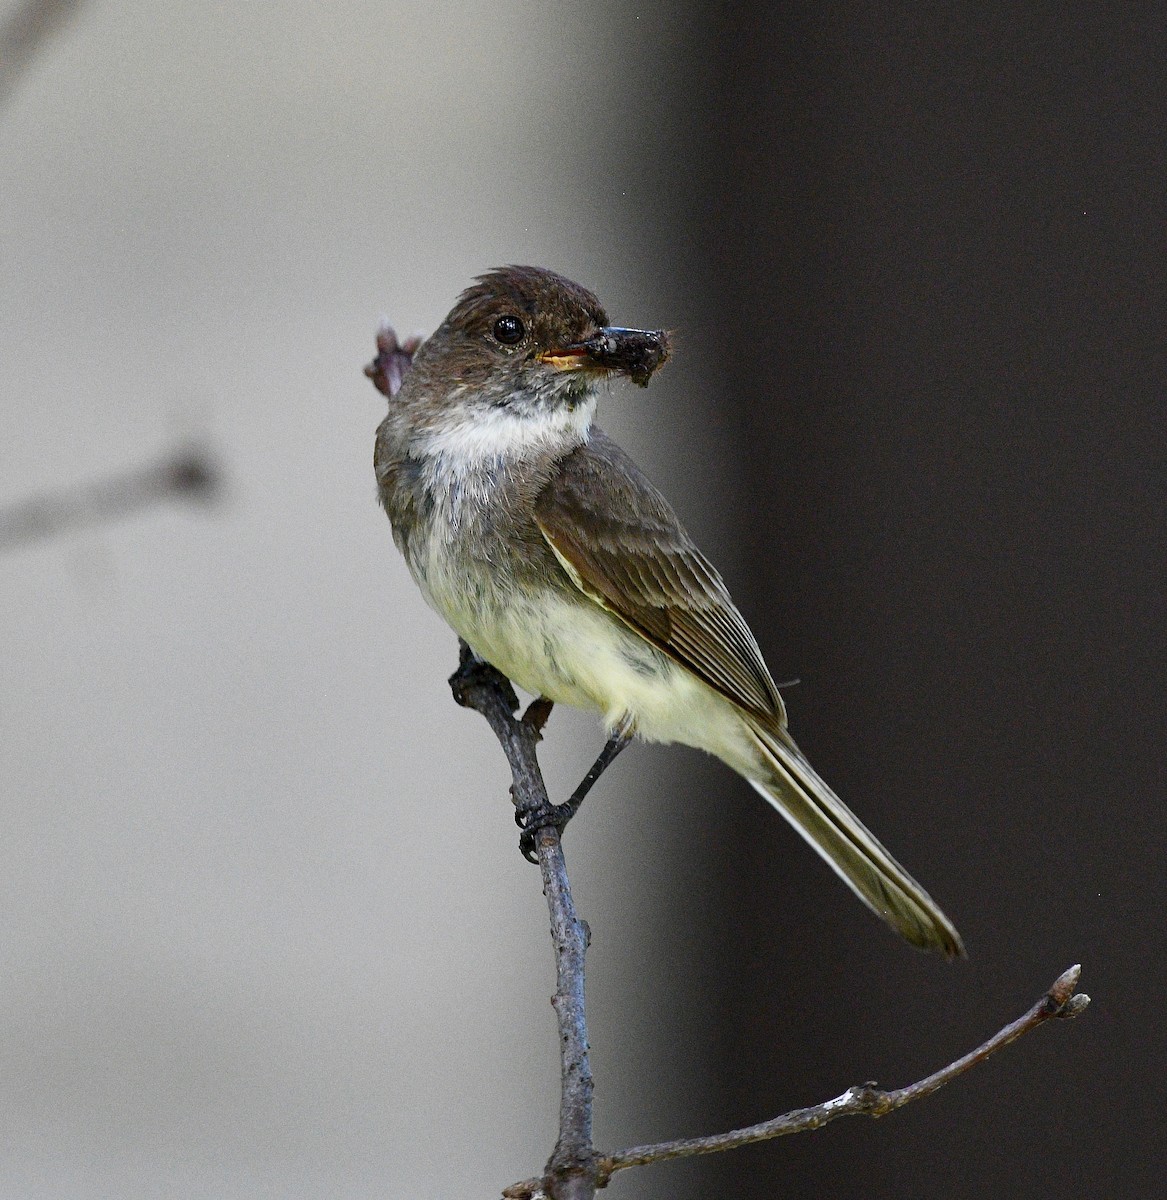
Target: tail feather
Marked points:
795	789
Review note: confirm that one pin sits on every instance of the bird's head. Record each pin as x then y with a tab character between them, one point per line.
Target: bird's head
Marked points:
520	356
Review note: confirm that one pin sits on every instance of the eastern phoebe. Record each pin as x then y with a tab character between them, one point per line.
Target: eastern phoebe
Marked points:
543	545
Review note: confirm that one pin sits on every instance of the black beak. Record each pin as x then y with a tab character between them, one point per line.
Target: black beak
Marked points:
637	353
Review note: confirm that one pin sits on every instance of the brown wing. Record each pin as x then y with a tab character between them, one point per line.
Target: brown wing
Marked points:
624	547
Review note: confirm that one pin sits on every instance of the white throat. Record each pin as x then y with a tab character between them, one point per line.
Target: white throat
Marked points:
481	437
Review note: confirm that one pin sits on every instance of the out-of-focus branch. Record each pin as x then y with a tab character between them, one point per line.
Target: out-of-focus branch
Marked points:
25	33
188	472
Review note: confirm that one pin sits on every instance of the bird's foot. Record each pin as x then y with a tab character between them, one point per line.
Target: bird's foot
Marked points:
545	816
556	816
474	674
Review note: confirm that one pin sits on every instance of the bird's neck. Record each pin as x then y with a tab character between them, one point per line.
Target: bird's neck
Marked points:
474	440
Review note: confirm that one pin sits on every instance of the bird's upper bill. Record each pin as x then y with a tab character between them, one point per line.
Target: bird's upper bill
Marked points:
637	353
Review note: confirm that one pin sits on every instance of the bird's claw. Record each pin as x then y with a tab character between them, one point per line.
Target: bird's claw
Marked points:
545	816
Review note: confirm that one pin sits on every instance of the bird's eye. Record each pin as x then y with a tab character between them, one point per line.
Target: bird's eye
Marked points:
509	330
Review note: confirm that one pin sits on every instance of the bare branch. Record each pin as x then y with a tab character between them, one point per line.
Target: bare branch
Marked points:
862	1100
188	472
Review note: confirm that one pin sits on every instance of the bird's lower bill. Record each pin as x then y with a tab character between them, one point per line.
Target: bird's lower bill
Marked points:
570	361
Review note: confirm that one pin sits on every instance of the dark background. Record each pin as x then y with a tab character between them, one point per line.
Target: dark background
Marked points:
934	240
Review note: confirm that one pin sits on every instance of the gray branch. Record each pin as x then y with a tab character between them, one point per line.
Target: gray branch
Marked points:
863	1100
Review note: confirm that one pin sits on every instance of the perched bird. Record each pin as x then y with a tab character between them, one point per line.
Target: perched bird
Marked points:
544	546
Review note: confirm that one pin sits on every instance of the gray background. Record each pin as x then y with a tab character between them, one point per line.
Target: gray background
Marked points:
264	927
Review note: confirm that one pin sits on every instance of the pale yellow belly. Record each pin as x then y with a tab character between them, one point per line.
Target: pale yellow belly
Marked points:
575	653
564	646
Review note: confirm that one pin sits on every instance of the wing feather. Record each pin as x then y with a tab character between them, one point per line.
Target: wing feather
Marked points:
623	546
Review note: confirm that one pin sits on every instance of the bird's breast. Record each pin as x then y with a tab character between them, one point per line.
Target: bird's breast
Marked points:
485	567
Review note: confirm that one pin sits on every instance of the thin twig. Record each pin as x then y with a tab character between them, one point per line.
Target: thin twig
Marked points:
862	1100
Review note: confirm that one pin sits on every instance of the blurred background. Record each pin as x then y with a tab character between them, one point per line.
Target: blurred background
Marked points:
264	929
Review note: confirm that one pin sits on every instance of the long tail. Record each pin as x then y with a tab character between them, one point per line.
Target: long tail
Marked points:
797	792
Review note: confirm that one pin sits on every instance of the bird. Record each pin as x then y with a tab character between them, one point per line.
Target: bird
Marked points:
557	561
